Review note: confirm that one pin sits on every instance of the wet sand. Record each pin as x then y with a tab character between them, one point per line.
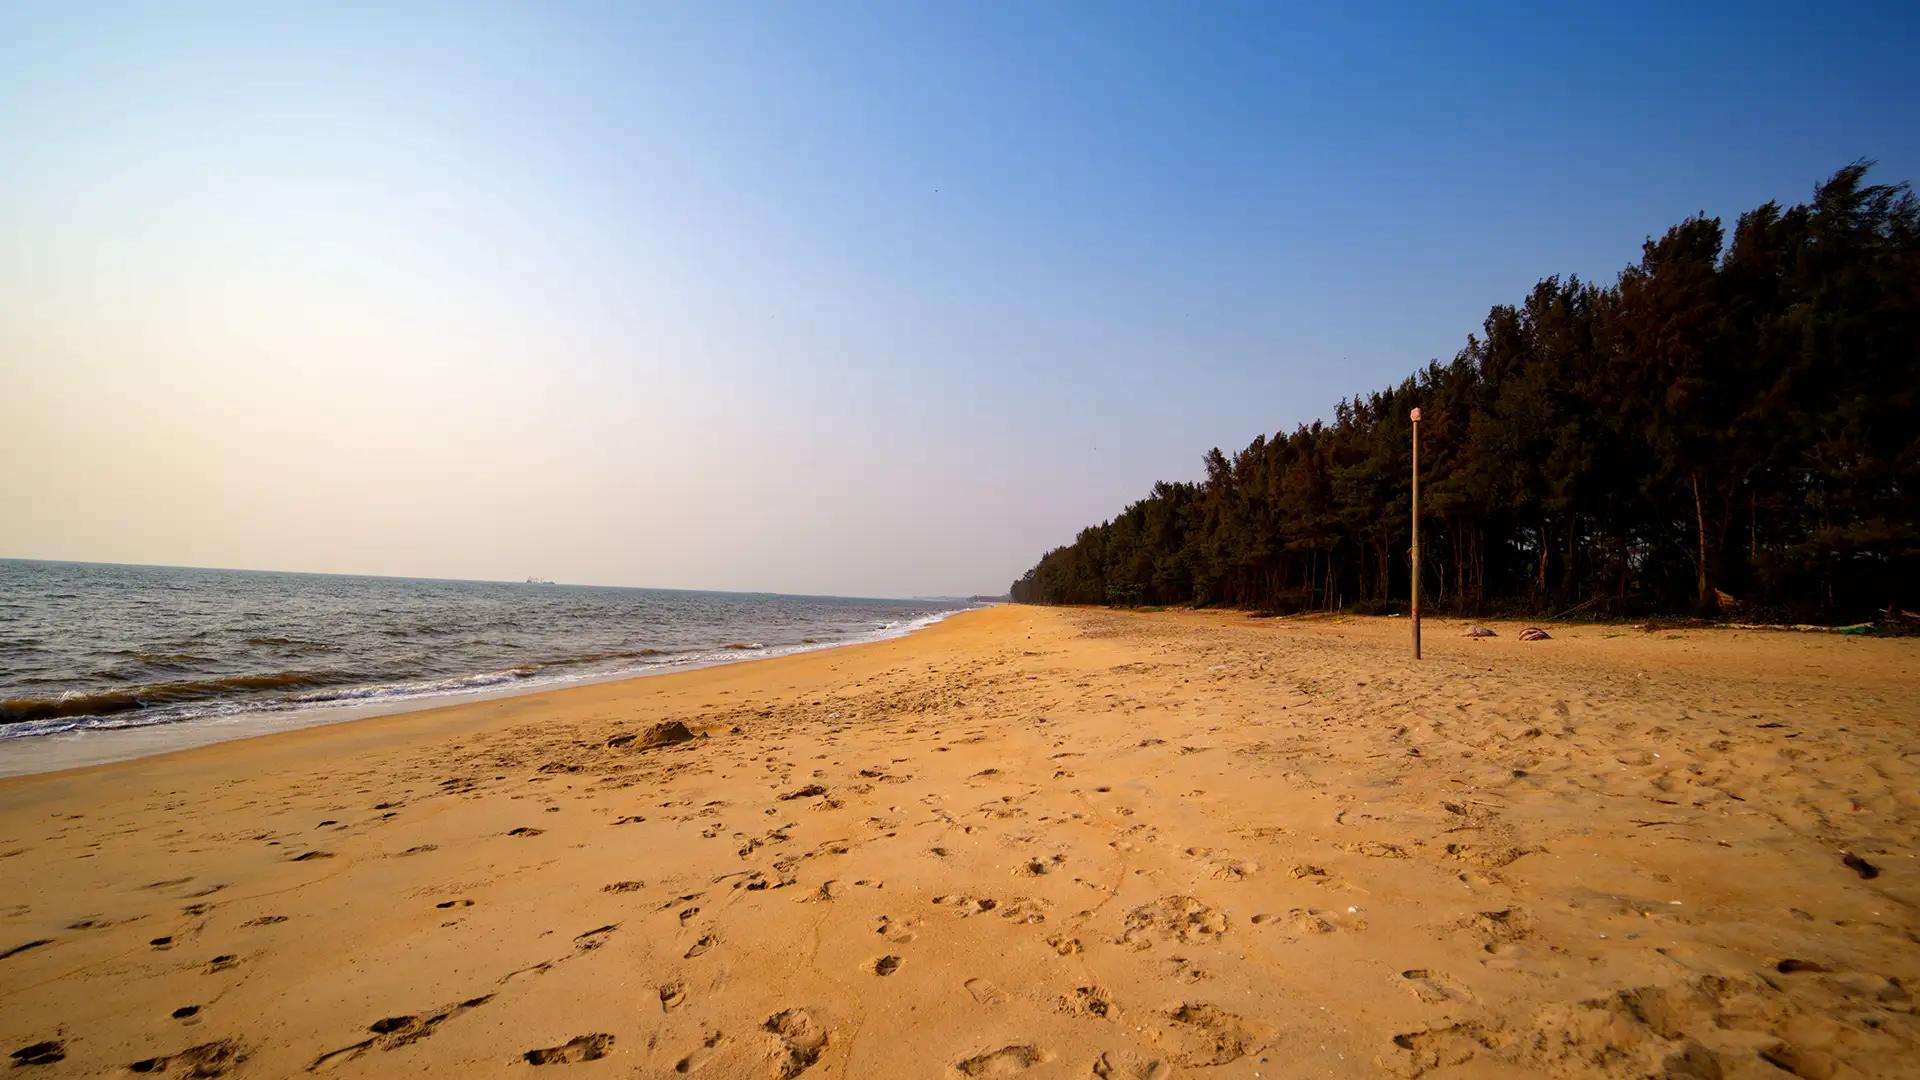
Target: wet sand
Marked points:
1028	842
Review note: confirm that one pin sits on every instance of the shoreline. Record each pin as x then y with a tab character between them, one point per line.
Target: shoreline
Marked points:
34	755
1026	841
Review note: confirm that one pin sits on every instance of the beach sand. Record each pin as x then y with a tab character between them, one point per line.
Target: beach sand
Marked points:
1025	841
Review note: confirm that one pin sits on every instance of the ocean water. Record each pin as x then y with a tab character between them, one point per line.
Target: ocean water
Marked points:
88	647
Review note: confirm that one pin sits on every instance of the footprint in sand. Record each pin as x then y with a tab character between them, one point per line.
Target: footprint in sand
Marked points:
594	938
1151	1069
1096	1001
1377	849
758	881
206	1060
985	992
1430	987
91	922
1185	970
1502	932
802	1039
577	1049
1791	966
707	941
1453	1044
1064	945
34	944
895	932
1209	1035
1310	921
1025	909
672	995
885	965
394	1032
964	905
1040	867
525	831
1224	866
45	1052
1005	1061
1173	918
708	1046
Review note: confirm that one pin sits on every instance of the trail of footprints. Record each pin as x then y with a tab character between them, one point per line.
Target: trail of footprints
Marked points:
1184	929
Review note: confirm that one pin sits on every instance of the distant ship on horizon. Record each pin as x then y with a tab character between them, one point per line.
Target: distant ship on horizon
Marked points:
538	581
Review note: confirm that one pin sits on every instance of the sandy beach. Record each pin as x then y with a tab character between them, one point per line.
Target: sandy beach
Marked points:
1025	841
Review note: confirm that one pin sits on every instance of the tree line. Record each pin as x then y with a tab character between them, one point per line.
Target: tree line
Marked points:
1726	429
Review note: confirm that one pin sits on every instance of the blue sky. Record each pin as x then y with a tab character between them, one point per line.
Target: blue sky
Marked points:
877	299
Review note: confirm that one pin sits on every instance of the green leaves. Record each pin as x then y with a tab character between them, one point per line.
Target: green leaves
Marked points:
1728	417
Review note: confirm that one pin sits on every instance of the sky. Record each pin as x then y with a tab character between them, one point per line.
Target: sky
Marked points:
880	299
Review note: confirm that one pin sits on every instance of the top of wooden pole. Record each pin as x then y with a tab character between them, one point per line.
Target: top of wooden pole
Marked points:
1416	416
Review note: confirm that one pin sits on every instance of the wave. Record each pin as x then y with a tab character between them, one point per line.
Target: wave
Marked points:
108	702
288	644
420	688
217	698
175	659
600	657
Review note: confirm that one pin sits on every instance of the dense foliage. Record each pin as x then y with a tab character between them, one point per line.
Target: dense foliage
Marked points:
1727	427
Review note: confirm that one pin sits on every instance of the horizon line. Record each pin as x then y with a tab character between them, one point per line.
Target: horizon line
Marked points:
484	581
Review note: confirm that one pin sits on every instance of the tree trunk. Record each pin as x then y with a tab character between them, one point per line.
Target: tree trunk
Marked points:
1703	578
1568	571
1459	557
1479	563
1386	570
1545	532
1622	600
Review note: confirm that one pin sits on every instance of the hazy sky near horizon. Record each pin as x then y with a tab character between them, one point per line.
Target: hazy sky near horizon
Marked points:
873	299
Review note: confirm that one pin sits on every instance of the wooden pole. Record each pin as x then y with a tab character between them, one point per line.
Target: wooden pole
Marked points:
1416	534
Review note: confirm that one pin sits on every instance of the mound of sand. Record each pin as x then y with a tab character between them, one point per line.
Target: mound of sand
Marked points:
662	734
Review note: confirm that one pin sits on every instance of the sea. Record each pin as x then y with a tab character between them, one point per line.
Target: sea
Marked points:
92	651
